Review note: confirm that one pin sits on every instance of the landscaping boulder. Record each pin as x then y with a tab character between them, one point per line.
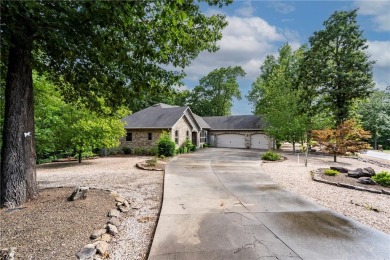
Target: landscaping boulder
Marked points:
359	172
370	170
79	193
86	253
366	180
97	233
111	229
339	169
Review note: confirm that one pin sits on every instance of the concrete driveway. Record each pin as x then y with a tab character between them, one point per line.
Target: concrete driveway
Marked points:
219	204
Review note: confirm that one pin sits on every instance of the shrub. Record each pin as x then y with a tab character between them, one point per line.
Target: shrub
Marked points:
126	150
165	145
331	172
189	145
152	162
271	156
382	178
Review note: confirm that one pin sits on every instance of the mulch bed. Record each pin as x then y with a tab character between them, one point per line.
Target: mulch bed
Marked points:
52	227
343	178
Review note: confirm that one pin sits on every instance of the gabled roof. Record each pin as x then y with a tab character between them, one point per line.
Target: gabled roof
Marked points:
159	116
201	122
245	122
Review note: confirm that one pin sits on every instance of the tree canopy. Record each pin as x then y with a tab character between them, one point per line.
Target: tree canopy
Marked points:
115	51
337	64
374	113
276	94
69	129
215	92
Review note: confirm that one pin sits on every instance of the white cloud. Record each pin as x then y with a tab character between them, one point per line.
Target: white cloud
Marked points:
246	42
380	52
379	10
246	10
281	7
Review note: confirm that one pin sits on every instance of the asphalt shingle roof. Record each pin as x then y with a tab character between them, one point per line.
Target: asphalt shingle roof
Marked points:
160	116
244	122
201	122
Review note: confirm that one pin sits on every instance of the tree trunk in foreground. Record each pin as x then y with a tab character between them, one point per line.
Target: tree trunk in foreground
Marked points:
18	176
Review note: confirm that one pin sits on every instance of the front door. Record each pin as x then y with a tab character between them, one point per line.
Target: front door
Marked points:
195	138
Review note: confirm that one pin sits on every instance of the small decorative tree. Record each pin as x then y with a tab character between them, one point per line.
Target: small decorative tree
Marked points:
165	145
347	137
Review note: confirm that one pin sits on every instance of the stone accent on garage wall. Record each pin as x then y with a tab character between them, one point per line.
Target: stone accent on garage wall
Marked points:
140	138
213	139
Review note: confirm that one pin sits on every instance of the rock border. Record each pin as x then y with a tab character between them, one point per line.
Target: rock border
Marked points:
139	166
316	177
99	247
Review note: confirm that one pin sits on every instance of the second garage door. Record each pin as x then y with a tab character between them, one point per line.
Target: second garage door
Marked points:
259	141
231	141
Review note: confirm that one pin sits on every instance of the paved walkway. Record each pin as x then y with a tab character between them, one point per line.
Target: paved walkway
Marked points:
219	204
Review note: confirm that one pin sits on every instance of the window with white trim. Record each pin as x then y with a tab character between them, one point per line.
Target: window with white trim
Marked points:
203	136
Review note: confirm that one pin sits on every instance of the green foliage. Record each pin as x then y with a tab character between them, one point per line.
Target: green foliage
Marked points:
270	156
120	41
190	147
166	146
215	93
126	150
331	172
337	66
63	129
374	113
152	162
382	178
276	96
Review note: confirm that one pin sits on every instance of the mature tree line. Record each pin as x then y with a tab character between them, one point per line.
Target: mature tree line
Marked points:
114	50
318	86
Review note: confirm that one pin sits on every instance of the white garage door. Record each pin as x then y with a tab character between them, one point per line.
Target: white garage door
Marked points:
231	140
259	141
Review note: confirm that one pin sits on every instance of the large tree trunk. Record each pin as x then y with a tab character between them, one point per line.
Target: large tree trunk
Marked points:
18	176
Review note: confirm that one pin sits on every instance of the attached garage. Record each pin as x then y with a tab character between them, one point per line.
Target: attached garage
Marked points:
231	140
259	141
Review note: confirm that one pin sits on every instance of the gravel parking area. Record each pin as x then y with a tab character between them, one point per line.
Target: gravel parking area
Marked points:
355	204
142	188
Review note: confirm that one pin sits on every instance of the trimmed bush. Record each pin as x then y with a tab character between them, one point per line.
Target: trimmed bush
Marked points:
165	145
271	156
331	172
126	150
382	178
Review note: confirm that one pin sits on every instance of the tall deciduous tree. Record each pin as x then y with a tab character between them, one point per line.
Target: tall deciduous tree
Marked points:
215	92
276	95
121	45
338	65
374	114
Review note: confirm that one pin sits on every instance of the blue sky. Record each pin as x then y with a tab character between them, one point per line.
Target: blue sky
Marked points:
259	28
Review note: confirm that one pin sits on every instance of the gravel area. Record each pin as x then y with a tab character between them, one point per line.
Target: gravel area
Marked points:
355	204
142	188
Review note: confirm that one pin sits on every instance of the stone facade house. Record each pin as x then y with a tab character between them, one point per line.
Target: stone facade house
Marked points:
145	127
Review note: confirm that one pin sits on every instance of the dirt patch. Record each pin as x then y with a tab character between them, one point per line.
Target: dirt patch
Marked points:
52	227
343	178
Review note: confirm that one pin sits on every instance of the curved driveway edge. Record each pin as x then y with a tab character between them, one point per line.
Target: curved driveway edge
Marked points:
219	204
